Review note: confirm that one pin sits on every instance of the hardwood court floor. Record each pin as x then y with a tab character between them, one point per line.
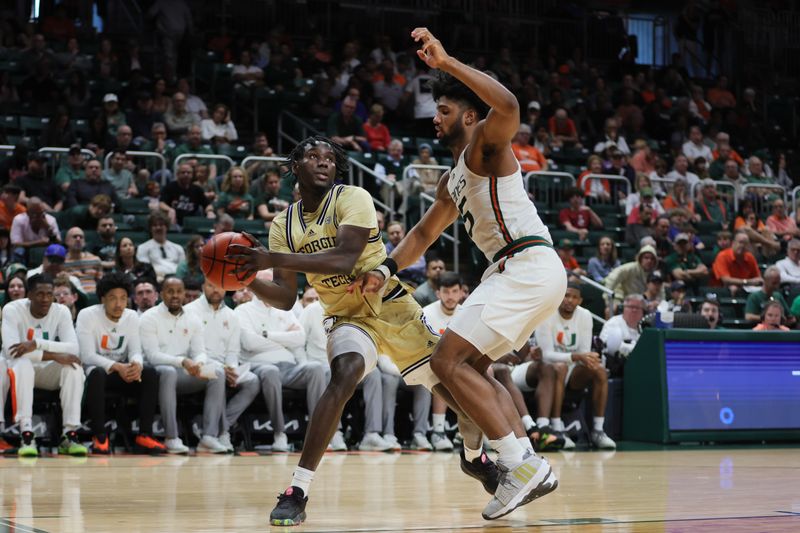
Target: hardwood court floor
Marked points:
650	491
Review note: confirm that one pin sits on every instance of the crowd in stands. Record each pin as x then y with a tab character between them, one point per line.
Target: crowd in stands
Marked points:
678	193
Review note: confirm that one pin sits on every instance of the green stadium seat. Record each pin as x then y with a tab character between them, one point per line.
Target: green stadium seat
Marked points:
707	227
35	256
179	238
720	292
133	206
9	122
195	225
33	125
255	227
138	237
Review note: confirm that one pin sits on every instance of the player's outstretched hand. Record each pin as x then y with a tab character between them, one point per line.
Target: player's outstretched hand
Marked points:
368	282
250	259
432	51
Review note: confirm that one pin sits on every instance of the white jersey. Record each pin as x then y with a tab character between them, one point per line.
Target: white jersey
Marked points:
559	337
221	330
497	214
437	318
53	332
104	342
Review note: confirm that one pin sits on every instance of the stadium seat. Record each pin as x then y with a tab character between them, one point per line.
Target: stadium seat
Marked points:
134	206
255	227
195	225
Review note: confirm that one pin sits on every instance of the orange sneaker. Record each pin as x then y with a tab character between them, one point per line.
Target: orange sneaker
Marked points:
100	447
4	446
149	444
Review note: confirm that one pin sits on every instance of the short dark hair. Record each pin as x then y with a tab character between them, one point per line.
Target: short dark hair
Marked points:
157	218
151	281
113	280
39	279
193	283
444	84
572	192
10	188
450	279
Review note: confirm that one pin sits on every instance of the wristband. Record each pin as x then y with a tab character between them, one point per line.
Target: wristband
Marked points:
383	269
391	264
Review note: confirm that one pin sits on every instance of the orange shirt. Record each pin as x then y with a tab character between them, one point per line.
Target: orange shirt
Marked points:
587	185
670	203
741	222
727	265
529	157
571	263
6	217
734	155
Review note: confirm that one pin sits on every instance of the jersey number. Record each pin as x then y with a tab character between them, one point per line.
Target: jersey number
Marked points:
469	220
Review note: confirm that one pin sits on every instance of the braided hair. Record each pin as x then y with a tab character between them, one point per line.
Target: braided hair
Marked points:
296	155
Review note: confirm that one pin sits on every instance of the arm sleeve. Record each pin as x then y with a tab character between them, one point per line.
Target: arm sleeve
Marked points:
66	332
148	332
205	128
88	354
584	332
250	339
231	128
355	208
752	306
594	269
544	339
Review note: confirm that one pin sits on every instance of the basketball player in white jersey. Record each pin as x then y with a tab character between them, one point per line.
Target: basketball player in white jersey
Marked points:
476	117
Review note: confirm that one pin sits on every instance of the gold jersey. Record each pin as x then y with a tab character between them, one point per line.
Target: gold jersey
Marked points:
393	320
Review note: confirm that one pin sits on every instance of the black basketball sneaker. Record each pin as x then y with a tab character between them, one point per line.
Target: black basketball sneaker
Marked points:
483	469
291	508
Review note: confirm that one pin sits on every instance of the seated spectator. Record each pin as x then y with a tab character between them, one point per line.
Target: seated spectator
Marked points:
194	145
426	293
9	205
194	104
644	194
566	342
82	191
617	165
142	118
530	159
599	189
65	293
272	342
123	140
389	166
680	198
604	261
640	224
566	251
680	170
375	130
235	198
261	148
86	216
29	330
631	278
771	318
710	311
269	203
710	207
346	128
110	347
720	96
210	186
660	235
769	292
106	246
563	130
179	119
416	272
782	225
219	129
684	264
163	255
723	154
762	239
183	198
53	265
577	217
32	229
194	289
222	336
694	147
698	107
421	407
145	294
643	160
789	266
36	182
15	288
678	302
543	141
611	138
83	265
125	262
120	177
624	328
654	292
173	342
428	177
246	74
736	268
114	117
190	267
72	169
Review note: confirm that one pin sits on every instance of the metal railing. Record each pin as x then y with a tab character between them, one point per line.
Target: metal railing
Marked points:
409	180
162	166
663	185
795	196
552	178
728	197
202	156
616	183
306	129
426	199
761	196
54	154
356	177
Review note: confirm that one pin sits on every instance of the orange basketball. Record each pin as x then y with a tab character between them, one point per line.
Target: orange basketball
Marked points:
219	270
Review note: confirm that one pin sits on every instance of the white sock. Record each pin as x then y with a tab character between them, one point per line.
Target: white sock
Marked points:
438	422
542	421
509	452
525	442
25	425
599	422
302	479
557	424
528	422
471	455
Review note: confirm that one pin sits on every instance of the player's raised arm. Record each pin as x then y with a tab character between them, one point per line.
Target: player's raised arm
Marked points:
502	122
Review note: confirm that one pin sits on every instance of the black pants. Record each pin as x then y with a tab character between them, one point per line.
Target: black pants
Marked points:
146	392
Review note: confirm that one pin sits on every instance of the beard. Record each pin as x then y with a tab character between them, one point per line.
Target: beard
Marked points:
456	133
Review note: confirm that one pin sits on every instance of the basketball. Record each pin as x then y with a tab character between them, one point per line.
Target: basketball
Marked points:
219	270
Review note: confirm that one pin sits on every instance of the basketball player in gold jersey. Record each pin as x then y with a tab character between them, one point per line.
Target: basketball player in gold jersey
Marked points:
332	235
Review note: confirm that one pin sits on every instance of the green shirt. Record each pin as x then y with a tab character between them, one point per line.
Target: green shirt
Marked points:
66	174
756	300
238	209
186	149
673	261
795	311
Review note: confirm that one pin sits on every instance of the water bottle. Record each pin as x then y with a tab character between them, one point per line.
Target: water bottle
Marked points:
665	316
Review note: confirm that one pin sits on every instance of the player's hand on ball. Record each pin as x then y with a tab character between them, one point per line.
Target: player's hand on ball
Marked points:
432	51
251	259
368	282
